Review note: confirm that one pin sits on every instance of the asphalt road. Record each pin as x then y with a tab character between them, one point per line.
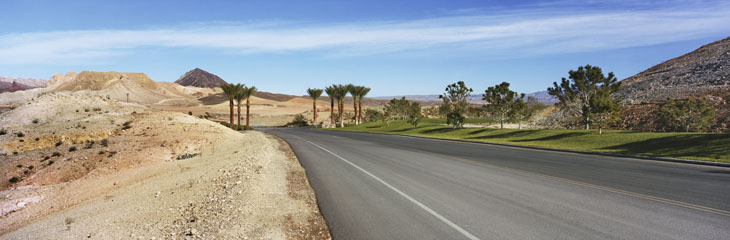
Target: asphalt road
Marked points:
373	186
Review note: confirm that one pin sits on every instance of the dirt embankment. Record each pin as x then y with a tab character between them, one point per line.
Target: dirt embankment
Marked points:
125	171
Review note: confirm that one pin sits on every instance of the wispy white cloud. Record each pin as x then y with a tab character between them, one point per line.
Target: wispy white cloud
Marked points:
521	33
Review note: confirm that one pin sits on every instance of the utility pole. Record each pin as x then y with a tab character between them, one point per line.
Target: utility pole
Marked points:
127	97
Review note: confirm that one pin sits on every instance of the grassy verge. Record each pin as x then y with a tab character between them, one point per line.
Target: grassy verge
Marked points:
695	146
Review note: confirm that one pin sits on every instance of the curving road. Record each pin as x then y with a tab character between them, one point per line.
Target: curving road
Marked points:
374	186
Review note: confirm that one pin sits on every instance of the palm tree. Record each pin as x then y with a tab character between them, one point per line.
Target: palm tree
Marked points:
331	93
340	94
355	91
239	97
248	92
314	93
364	91
230	90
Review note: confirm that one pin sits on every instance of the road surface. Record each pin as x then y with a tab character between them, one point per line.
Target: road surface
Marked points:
374	186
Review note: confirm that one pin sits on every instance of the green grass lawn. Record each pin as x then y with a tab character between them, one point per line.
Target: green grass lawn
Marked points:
696	146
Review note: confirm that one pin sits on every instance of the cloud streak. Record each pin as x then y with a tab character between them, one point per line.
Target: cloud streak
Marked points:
513	33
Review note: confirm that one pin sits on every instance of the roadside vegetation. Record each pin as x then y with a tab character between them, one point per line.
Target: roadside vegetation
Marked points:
583	119
696	146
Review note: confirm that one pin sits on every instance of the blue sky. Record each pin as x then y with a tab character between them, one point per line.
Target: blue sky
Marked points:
395	47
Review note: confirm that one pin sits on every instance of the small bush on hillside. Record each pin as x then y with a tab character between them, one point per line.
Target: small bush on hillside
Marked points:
14	179
58	143
30	167
56	154
104	143
20	134
89	144
19	165
190	113
299	121
72	148
3	132
96	109
36	121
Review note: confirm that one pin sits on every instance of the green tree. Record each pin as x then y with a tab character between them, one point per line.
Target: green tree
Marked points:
248	92
500	100
398	108
455	103
331	94
314	93
372	115
385	117
575	92
604	108
414	113
685	115
230	90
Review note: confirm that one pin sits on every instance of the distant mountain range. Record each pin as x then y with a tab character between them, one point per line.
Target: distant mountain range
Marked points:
200	78
542	97
12	84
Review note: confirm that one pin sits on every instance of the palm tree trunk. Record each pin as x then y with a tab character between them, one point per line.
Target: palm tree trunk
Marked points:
354	107
359	111
231	105
248	116
340	110
314	111
332	111
239	116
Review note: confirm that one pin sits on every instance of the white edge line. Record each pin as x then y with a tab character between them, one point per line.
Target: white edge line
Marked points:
414	201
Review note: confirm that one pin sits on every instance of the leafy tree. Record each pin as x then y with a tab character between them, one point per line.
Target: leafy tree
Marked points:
685	115
522	110
604	108
361	94
414	113
331	93
248	92
372	115
455	103
385	118
575	92
314	93
398	108
230	90
298	121
500	100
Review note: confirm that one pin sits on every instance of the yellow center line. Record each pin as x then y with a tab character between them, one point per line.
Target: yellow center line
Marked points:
608	189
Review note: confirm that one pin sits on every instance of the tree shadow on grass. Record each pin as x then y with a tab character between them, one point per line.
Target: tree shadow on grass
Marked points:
713	146
373	126
439	130
483	130
555	137
520	133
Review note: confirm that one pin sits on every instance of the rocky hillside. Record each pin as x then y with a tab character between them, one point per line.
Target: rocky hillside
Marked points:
11	84
691	75
200	78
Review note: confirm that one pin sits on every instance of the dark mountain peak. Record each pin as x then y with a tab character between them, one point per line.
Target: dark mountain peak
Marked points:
200	78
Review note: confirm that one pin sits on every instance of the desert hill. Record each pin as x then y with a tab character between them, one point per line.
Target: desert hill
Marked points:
11	84
693	74
200	78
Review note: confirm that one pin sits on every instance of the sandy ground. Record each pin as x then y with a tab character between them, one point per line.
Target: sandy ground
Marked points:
114	172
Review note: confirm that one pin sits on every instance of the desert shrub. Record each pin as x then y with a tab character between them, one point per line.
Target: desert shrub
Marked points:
89	144
20	134
50	162
58	143
86	110
46	158
127	125
15	153
72	148
19	165
30	167
21	140
187	155
3	132
37	139
96	109
36	121
14	179
104	143
190	113
56	154
26	172
298	121
101	152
